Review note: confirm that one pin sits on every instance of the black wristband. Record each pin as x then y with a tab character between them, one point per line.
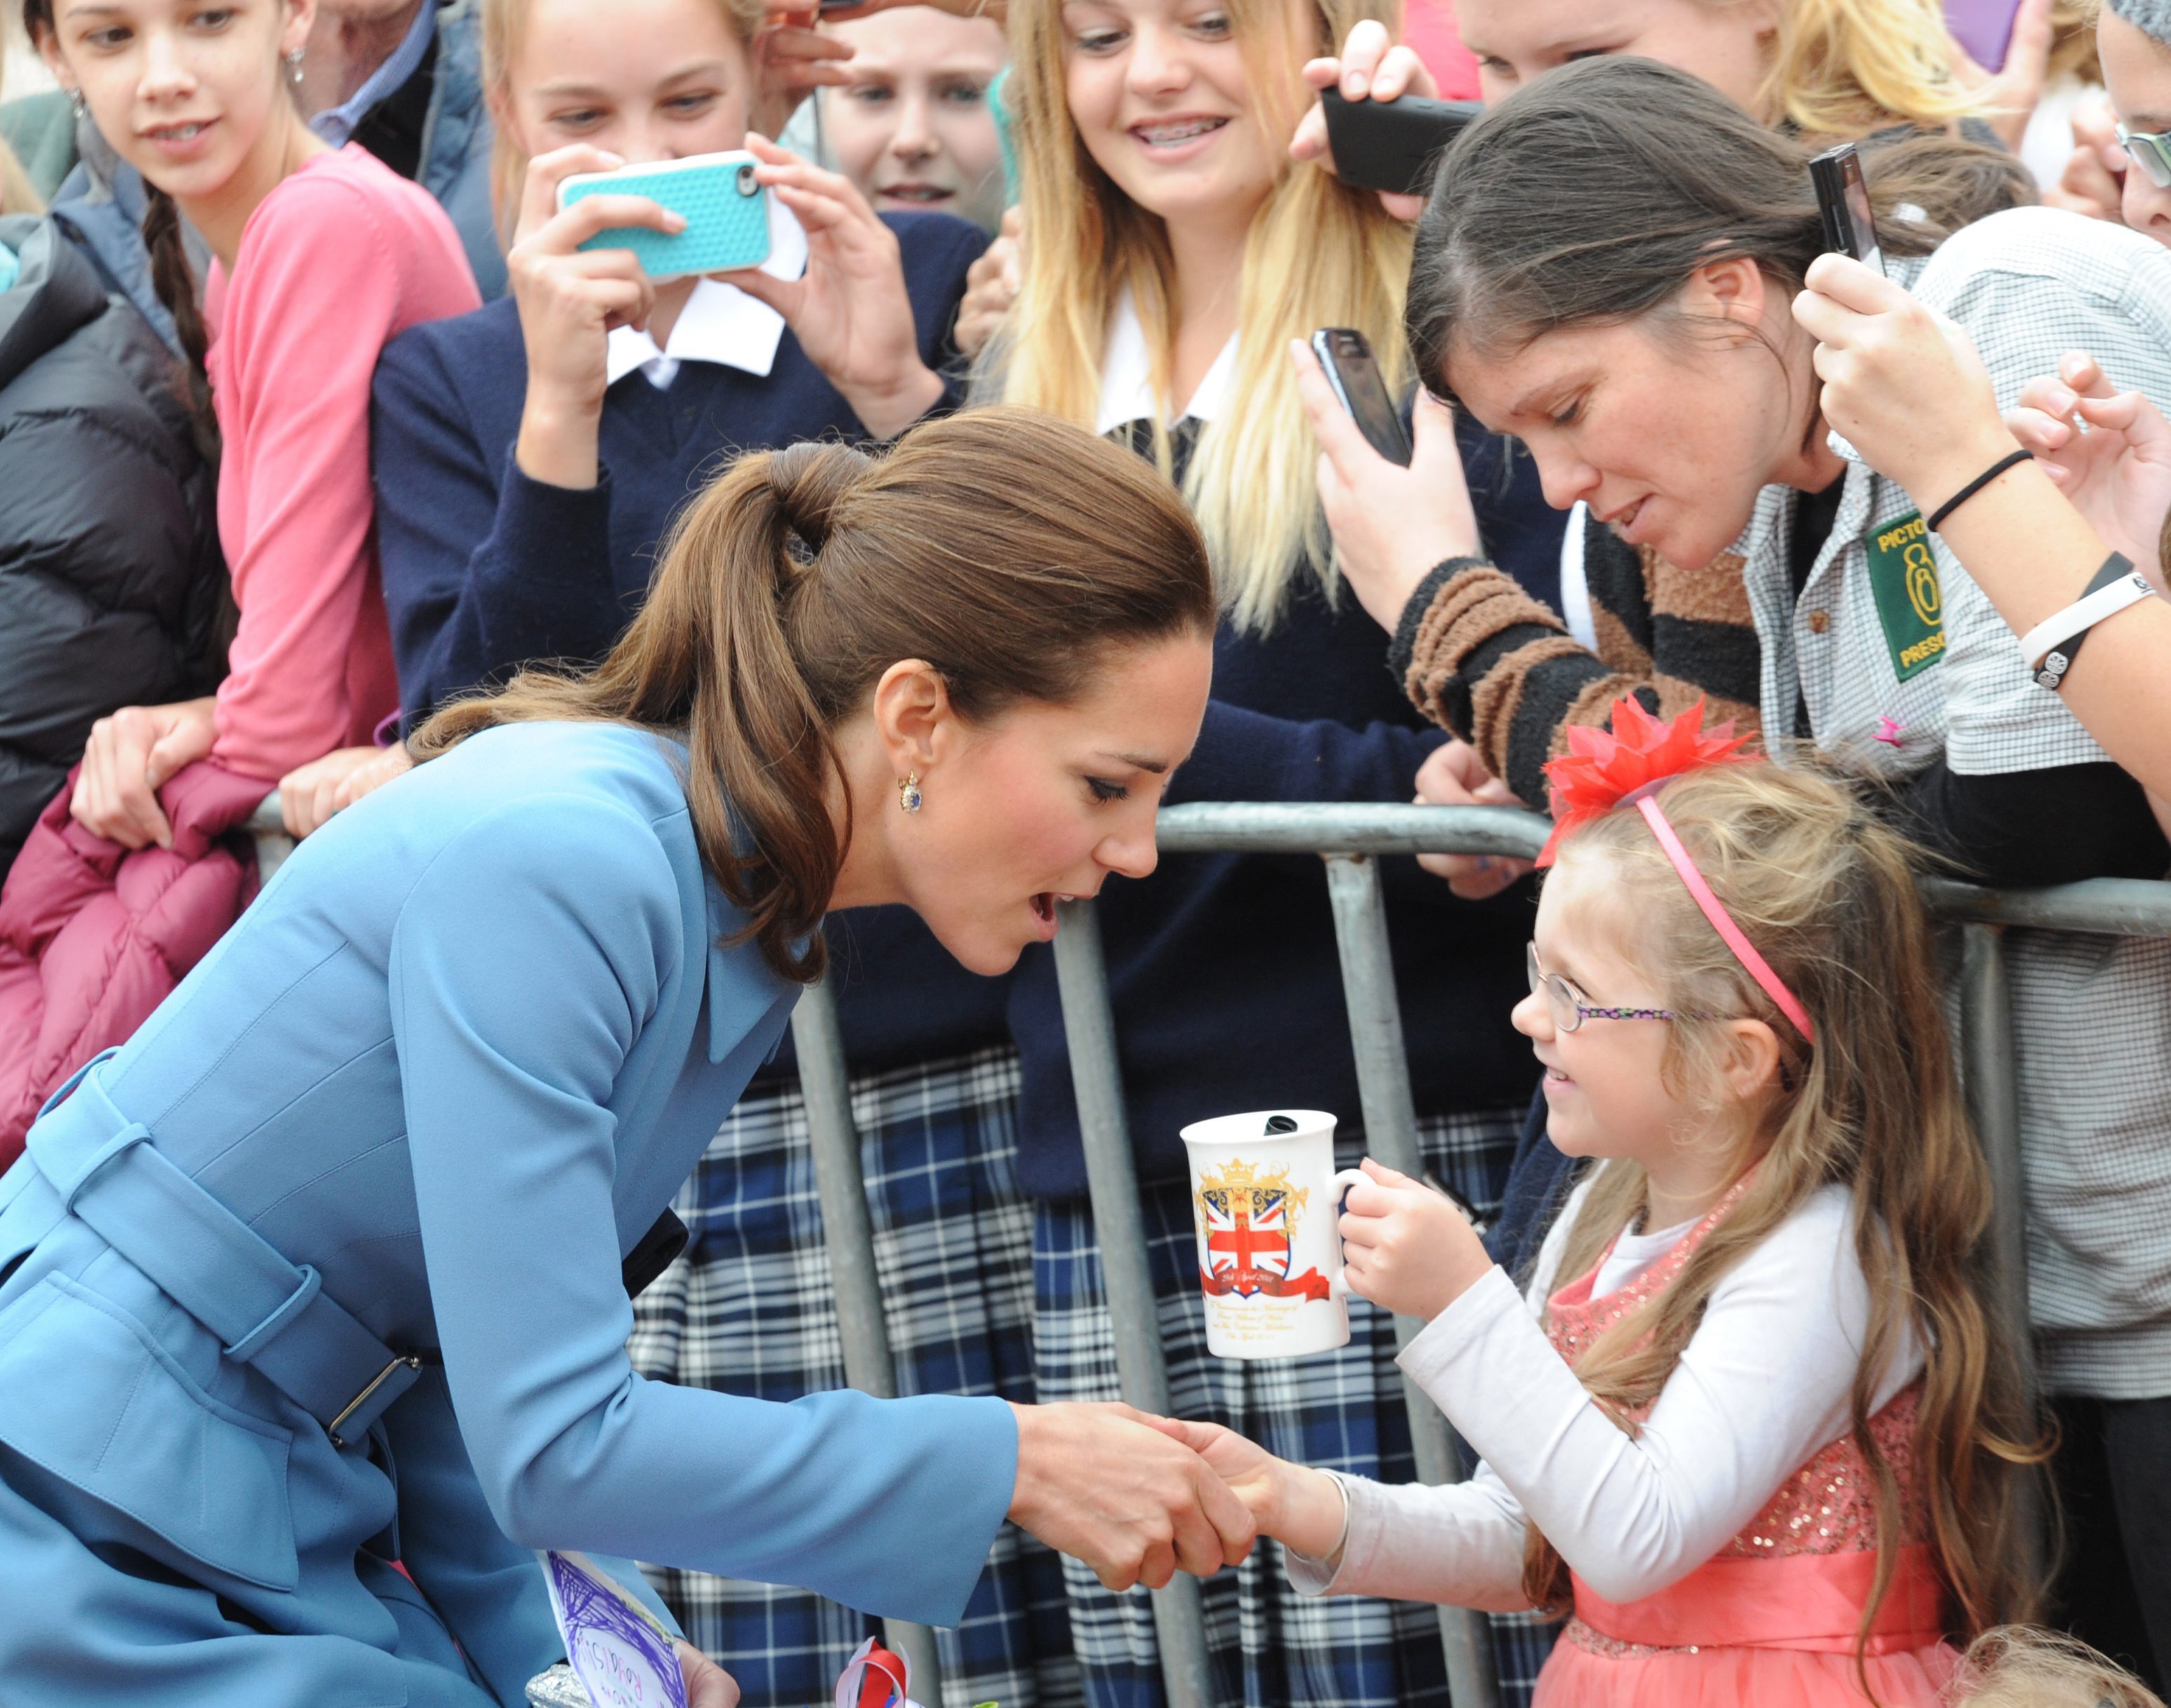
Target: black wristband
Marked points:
1975	485
2051	673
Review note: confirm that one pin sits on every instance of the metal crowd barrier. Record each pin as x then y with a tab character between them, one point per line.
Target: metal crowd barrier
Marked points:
1350	839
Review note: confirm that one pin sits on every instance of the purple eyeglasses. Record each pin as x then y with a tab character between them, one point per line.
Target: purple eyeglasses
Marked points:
1568	1011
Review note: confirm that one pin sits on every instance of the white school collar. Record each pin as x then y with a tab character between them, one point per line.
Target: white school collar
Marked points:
720	321
1127	392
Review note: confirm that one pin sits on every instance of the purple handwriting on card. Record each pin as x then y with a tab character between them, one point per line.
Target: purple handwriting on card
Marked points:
622	1656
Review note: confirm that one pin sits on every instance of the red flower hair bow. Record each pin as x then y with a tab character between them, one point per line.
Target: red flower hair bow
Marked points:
1602	769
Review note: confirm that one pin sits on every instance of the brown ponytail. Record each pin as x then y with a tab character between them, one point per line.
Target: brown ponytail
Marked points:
175	282
1010	551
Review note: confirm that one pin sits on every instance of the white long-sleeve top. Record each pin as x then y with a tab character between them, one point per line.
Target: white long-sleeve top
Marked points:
1762	1385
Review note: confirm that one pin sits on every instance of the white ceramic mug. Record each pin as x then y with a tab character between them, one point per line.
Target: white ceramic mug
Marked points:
1265	1197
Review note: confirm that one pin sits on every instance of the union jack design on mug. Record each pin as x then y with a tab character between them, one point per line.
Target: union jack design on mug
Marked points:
1249	1221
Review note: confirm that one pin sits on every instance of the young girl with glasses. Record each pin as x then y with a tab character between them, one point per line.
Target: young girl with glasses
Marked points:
1750	1427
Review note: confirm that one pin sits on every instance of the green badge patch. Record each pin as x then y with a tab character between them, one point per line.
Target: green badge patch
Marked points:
1910	602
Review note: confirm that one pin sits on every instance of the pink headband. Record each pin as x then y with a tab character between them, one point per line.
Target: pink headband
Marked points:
1628	766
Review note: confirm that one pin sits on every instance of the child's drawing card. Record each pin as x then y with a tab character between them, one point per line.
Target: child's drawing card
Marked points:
622	1656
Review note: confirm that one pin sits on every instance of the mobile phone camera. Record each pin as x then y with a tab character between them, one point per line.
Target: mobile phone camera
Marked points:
746	181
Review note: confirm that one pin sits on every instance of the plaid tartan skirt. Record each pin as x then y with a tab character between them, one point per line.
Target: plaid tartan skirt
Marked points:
749	1309
1270	1647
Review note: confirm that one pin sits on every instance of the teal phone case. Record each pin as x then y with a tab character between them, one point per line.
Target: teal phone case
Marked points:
726	214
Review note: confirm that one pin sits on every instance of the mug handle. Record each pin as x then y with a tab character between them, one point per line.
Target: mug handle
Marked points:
1337	1284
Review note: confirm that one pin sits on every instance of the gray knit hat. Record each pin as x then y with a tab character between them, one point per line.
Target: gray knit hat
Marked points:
2150	17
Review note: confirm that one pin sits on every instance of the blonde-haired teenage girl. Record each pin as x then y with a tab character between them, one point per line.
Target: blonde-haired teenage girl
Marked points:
1172	249
1240	247
1752	1427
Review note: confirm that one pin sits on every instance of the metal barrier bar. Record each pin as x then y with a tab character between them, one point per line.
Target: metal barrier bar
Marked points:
1111	1178
1391	1134
1986	1067
840	1184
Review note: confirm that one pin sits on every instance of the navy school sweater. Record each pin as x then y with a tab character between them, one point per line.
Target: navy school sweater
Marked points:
485	569
1222	969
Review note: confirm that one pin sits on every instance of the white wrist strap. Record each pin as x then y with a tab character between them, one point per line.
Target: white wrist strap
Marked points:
2080	616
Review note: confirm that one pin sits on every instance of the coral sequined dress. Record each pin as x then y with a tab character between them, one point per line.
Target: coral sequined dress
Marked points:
1771	1618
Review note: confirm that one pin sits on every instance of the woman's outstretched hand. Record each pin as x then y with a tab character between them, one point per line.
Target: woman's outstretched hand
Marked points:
1902	385
1291	1502
1406	1247
1370	67
849	310
1392	526
1099	1481
2108	450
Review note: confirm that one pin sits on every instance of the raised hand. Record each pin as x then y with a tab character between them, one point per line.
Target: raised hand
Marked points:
1099	1481
1391	526
130	755
792	60
849	310
2108	450
992	284
2013	93
1902	385
1406	1247
2093	184
571	299
1370	67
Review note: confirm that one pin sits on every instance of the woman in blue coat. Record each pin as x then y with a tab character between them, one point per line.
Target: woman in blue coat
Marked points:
325	1269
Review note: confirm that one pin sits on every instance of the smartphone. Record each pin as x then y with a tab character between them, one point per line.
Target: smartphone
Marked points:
1391	145
726	212
1352	371
1983	28
1843	195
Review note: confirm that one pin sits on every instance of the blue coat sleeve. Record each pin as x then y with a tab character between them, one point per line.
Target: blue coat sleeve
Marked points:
538	585
526	961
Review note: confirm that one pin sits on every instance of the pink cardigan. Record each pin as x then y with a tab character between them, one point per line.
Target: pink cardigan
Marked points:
339	258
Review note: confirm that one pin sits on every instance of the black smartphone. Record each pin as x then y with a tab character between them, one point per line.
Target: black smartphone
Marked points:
1391	145
1355	374
1843	195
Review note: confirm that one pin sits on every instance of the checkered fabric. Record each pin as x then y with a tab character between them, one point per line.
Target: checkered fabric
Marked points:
1898	670
1343	1410
749	1309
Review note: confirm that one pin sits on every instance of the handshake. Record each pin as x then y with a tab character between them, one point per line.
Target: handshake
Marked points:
1136	1497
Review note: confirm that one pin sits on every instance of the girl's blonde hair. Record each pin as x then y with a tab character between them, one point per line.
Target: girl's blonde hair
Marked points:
2023	1667
504	28
1318	253
1827	895
1846	67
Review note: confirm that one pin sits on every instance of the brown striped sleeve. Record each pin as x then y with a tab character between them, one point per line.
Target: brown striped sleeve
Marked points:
1483	659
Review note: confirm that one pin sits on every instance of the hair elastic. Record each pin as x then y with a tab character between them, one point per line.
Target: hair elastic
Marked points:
1938	516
